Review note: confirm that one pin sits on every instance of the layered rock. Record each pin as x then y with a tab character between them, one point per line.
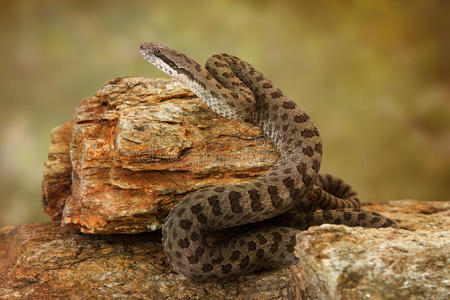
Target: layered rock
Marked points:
136	148
41	261
132	151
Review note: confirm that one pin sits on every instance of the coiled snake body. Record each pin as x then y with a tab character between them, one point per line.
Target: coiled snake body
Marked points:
290	197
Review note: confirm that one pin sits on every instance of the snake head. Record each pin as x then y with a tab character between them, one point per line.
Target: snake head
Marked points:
170	61
160	56
149	49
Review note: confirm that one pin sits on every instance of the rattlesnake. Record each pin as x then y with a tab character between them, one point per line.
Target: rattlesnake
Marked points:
221	232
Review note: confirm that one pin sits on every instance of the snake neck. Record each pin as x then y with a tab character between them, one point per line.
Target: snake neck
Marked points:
235	90
198	80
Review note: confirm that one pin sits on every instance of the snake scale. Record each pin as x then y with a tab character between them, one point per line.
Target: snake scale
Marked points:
224	231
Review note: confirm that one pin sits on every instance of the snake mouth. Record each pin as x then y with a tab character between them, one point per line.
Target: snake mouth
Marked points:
149	56
144	53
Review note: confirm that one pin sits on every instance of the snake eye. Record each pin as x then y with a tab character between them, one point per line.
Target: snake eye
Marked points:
157	51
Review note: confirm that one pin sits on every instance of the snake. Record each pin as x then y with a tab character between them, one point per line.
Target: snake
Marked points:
220	232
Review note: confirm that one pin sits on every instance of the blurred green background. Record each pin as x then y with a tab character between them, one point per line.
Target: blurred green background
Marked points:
373	75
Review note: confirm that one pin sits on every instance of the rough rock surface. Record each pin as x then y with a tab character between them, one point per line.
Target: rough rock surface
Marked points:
360	263
136	148
41	261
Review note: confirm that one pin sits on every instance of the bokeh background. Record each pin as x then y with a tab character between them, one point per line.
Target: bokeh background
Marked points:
373	75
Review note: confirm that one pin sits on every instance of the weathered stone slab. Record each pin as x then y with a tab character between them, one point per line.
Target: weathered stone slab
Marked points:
41	261
136	148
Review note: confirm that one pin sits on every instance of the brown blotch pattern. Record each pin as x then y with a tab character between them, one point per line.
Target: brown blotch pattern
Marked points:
260	253
255	200
274	248
226	269
290	185
277	237
202	219
196	209
318	148
244	262
234	198
276	94
251	245
214	94
362	216
301	168
214	202
375	220
308	151
193	259
183	243
316	165
199	251
207	268
235	255
261	239
218	259
307	133
230	104
186	224
301	118
195	236
326	215
277	202
289	105
307	179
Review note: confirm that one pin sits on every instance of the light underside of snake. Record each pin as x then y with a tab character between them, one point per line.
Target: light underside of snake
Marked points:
221	232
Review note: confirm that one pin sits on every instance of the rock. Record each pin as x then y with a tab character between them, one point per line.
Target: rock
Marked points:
41	261
359	263
57	181
136	148
132	152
